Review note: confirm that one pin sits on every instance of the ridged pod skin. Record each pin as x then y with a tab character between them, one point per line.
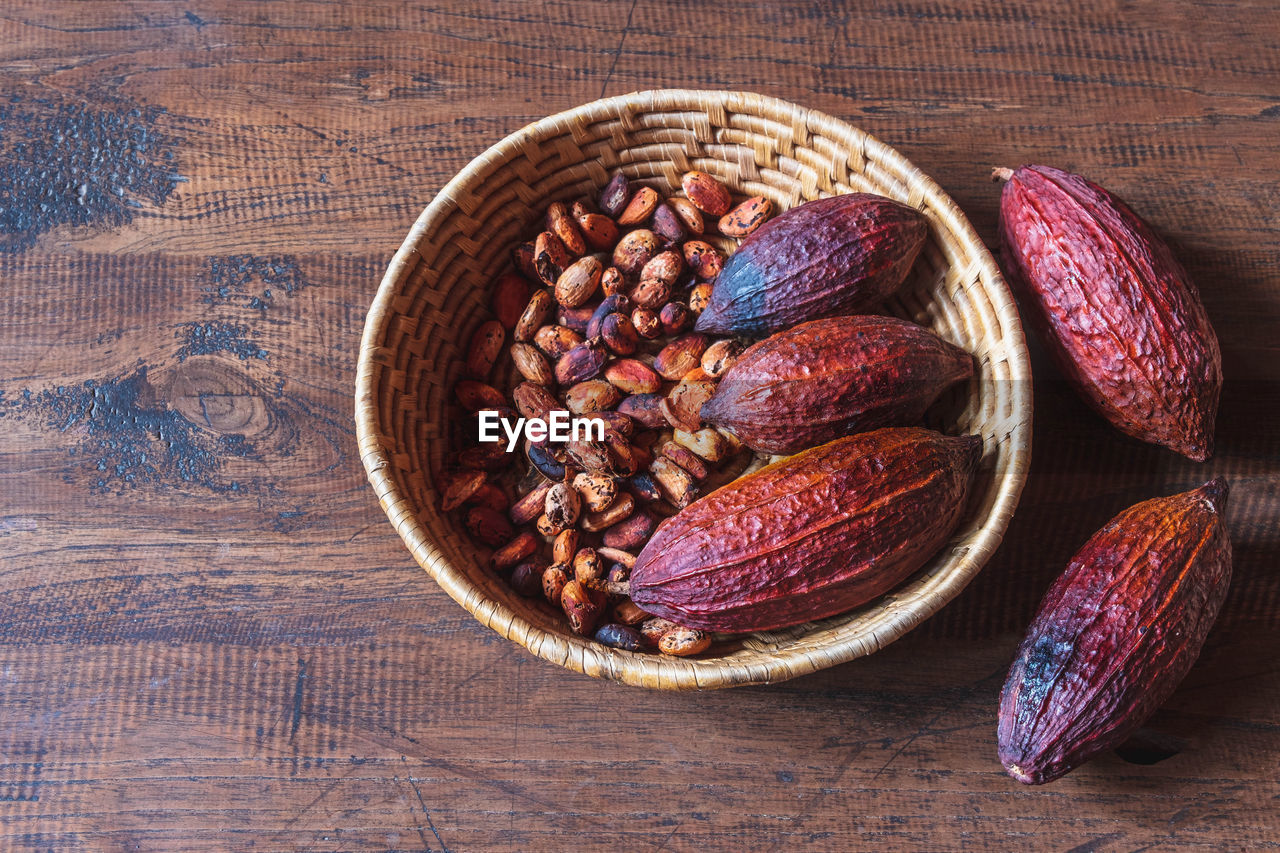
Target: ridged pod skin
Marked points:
1117	311
810	536
830	256
1116	633
827	378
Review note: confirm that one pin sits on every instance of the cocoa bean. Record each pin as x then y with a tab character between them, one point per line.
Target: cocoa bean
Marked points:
532	364
746	217
634	251
578	282
640	207
534	315
706	193
510	295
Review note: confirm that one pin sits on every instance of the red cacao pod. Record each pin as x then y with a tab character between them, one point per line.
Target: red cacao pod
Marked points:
1116	633
828	378
831	256
1116	310
810	536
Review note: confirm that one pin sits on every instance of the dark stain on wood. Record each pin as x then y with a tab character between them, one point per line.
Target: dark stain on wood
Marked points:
251	281
131	438
96	162
219	336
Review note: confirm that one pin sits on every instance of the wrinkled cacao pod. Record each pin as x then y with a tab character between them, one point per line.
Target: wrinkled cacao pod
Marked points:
810	536
1116	633
838	255
1116	310
828	378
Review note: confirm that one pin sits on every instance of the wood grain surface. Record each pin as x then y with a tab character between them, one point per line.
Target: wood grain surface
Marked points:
211	638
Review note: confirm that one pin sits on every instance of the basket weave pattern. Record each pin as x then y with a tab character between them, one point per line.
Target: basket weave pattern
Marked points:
435	293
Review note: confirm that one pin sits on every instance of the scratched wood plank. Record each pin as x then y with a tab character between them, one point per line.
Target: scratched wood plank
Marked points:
211	639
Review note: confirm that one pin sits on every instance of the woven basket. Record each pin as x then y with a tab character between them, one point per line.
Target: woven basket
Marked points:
434	294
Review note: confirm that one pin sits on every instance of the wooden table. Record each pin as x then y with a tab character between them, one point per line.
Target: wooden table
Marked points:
212	639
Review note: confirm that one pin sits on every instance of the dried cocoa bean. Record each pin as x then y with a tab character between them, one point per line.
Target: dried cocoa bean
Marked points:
532	364
708	443
630	533
646	323
666	225
619	334
510	295
487	526
563	226
612	281
522	258
593	395
721	356
549	257
476	396
651	294
616	302
587	566
645	409
520	548
565	546
686	459
680	356
665	267
690	217
526	578
640	207
675	318
615	195
554	580
686	400
579	281
746	217
582	362
704	259
700	298
632	376
643	487
627	612
562	506
534	400
533	316
653	628
582	606
459	487
706	193
599	231
597	489
634	250
619	637
529	507
682	642
676	484
556	340
575	318
622	507
490	496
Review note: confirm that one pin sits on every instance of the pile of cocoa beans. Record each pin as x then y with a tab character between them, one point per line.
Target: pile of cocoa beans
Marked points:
597	319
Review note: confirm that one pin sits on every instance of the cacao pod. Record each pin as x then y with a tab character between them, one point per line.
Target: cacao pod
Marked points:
1116	633
810	536
838	255
1116	310
828	378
